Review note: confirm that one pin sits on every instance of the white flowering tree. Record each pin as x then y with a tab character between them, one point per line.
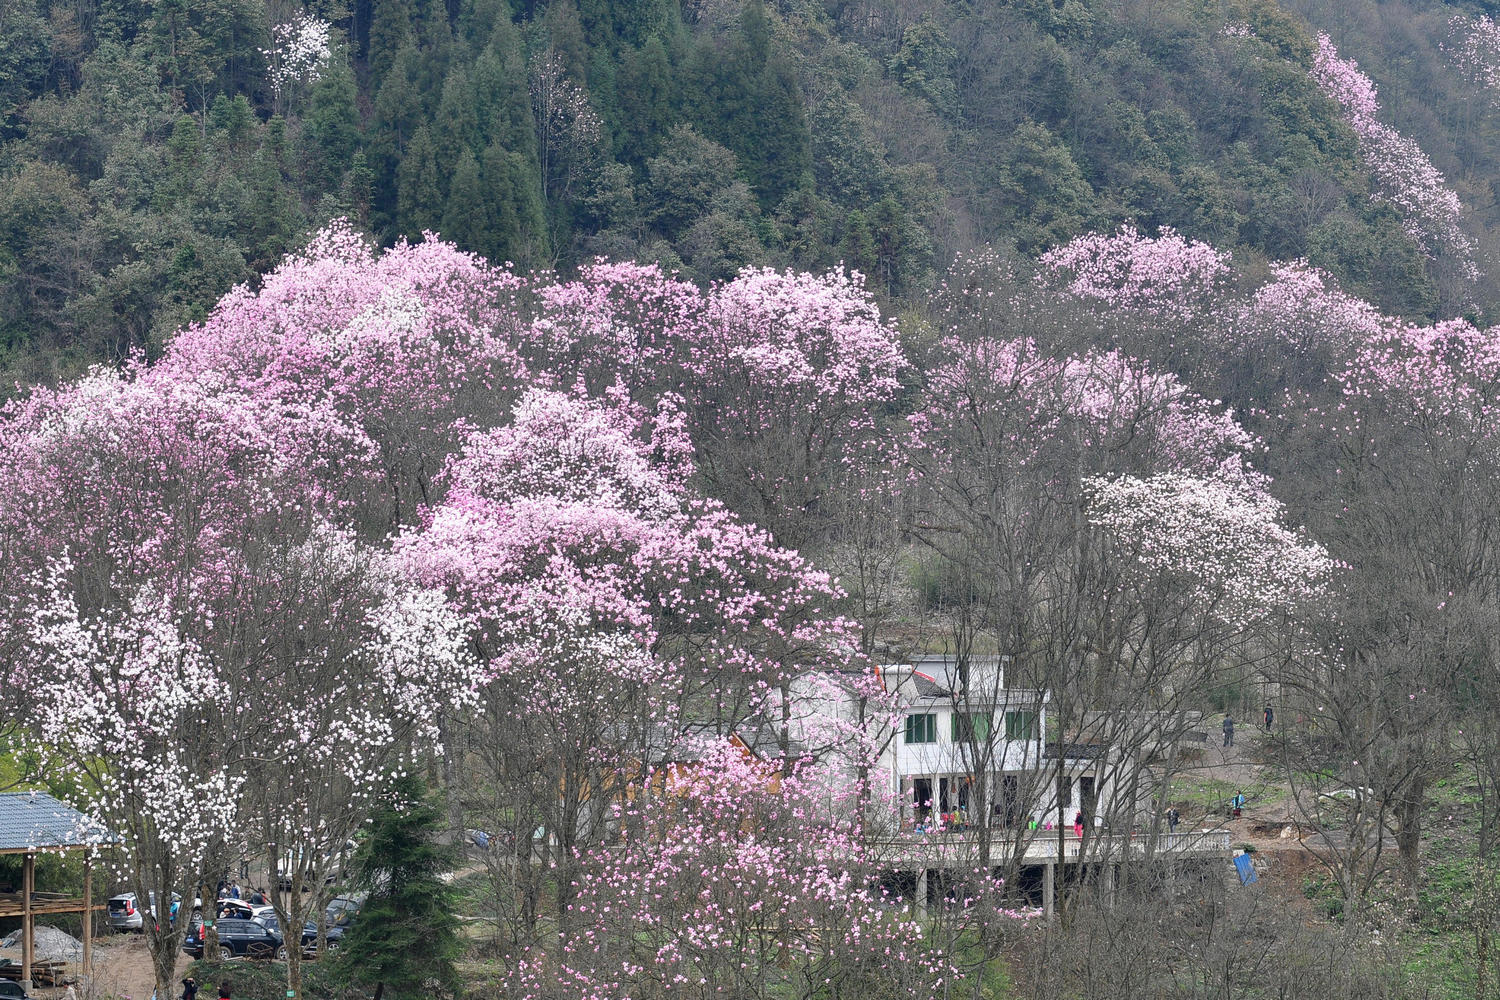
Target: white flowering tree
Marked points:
299	53
347	694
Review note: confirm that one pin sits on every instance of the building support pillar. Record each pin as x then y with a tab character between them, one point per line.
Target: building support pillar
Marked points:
88	918
28	927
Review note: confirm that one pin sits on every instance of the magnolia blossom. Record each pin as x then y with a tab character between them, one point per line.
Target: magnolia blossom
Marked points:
1474	46
1403	174
1166	275
1224	538
735	879
117	699
299	52
1303	309
1106	404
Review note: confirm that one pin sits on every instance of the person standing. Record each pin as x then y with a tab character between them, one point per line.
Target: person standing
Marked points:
1173	818
1270	716
190	989
1228	730
1078	824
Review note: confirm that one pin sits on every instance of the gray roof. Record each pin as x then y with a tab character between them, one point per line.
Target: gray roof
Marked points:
35	820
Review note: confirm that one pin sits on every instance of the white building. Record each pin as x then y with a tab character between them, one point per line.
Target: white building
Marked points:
963	749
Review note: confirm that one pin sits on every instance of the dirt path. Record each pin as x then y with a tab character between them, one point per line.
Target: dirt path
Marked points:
1243	768
122	969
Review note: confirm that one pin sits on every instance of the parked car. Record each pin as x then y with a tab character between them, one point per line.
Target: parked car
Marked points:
12	991
239	909
239	938
124	913
339	917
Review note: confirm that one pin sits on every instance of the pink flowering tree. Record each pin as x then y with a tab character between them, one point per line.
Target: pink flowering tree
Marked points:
1403	174
409	348
1293	332
607	603
168	563
777	378
1007	451
147	501
1393	472
736	879
1167	276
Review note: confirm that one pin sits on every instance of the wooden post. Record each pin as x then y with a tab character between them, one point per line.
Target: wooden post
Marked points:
922	893
1048	872
88	917
28	944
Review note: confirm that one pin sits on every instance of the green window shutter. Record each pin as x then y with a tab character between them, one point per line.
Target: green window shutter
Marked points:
921	728
1020	725
971	728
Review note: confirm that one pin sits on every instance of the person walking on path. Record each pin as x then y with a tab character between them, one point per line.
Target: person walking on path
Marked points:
1228	730
1270	717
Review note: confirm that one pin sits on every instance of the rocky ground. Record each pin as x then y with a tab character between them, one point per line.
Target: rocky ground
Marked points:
122	970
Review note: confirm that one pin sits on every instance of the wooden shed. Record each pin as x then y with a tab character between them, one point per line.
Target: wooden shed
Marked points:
33	823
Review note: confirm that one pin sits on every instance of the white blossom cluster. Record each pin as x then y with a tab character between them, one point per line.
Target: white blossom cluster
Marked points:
1225	538
300	50
129	689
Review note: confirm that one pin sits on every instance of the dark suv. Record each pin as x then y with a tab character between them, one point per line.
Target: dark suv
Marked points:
250	938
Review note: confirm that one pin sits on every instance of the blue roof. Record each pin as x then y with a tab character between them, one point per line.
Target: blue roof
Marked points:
37	821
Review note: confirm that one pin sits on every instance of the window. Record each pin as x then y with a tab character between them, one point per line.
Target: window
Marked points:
921	729
1020	725
971	727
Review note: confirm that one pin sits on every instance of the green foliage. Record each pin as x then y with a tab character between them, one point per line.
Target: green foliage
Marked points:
148	167
406	936
260	980
1043	192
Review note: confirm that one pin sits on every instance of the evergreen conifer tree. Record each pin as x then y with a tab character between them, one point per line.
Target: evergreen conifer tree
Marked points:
405	940
419	193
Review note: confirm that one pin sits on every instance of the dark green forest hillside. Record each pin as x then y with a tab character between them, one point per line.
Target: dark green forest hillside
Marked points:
149	164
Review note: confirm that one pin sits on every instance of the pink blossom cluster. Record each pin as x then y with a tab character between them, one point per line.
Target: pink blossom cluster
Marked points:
775	379
1474	46
560	526
1103	405
1165	275
1403	174
736	880
1443	378
1302	309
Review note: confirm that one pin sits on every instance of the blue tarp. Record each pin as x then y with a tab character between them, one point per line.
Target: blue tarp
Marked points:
1246	868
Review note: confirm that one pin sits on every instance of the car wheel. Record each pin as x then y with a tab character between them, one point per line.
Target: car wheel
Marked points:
332	947
225	953
281	954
